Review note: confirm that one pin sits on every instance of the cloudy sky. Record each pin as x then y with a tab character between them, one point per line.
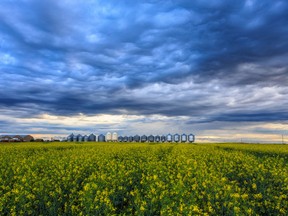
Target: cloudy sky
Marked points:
218	69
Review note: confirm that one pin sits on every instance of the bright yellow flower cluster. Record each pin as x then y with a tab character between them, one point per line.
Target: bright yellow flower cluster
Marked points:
143	179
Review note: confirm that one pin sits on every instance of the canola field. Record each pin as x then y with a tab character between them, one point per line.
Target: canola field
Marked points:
143	179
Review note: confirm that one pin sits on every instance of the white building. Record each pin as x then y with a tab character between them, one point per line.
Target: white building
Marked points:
114	137
108	137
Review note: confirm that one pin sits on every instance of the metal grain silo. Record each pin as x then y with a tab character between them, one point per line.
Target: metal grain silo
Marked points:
85	138
120	139
79	138
92	138
101	138
176	138
183	138
108	137
70	137
191	138
163	138
74	138
151	138
137	138
143	138
130	139
125	139
169	138
114	137
157	138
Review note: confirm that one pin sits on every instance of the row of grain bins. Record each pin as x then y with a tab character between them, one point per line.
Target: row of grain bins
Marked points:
113	137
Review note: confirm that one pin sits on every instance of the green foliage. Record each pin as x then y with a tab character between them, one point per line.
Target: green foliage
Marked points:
143	179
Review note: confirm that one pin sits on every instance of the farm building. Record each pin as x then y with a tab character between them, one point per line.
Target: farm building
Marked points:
108	137
70	138
151	138
125	139
130	138
157	138
85	138
137	138
176	138
191	138
92	137
16	138
169	138
74	138
143	138
183	138
101	138
163	138
79	138
115	138
120	139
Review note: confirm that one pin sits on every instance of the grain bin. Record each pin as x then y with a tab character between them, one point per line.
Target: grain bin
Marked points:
130	139
70	137
176	138
125	139
101	138
191	138
151	138
137	138
183	138
143	138
163	138
92	138
74	138
108	137
79	138
169	138
120	138
85	138
114	137
157	138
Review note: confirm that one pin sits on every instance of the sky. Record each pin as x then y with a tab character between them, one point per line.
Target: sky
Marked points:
217	69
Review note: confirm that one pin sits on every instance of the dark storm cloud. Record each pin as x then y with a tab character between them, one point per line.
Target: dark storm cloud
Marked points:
93	57
246	117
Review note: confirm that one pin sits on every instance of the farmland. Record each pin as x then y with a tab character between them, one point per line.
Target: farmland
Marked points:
143	179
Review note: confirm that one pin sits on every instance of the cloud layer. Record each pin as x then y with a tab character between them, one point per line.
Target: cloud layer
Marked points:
206	61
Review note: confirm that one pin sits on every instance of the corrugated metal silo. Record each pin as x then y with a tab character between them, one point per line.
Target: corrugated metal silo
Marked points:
137	138
191	138
143	138
85	138
114	137
70	137
101	138
125	139
163	138
169	138
183	138
74	138
176	138
92	138
157	138
108	137
151	138
120	139
79	138
130	138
